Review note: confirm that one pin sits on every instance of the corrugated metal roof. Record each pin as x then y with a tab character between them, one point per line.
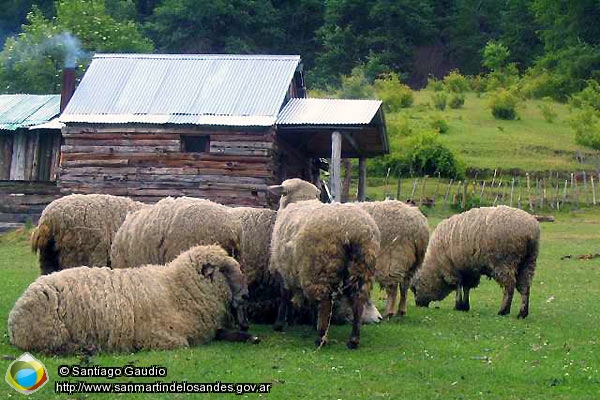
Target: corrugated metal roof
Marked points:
24	110
209	89
328	112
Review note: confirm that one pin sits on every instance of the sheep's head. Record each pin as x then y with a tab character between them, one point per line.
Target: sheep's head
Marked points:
293	190
428	287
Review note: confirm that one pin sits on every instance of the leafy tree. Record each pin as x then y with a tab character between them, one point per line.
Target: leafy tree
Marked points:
218	26
32	61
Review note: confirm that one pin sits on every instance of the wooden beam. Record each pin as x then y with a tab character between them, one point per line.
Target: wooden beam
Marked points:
362	178
335	166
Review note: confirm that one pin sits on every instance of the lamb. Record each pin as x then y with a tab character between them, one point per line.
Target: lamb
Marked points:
499	242
158	234
78	230
321	251
404	238
151	307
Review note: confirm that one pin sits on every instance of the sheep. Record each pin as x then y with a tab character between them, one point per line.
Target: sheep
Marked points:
257	227
321	251
78	230
157	234
184	303
404	238
499	242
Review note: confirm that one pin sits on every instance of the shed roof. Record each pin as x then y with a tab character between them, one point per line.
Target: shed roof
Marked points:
205	89
25	110
328	112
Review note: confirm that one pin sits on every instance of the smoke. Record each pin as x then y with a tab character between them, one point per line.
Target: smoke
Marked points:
71	47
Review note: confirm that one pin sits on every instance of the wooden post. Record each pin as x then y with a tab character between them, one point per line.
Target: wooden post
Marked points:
386	194
492	184
414	188
463	201
520	193
585	189
362	178
447	193
336	166
482	193
556	198
565	191
437	187
422	190
512	189
593	189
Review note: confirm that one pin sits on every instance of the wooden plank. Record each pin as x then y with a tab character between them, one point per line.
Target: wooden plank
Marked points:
169	156
17	168
119	136
122	142
119	149
34	138
237	151
159	129
6	146
335	167
55	157
242	144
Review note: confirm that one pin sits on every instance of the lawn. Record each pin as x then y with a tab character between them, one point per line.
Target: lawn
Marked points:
527	144
430	353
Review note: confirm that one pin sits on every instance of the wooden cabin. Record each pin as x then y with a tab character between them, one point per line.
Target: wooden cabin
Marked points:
29	155
222	127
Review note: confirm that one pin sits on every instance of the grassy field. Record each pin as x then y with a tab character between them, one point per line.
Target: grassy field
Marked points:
431	353
482	142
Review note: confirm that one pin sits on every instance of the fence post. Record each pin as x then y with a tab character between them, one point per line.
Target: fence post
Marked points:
414	189
512	189
529	191
437	187
593	190
422	190
556	198
520	193
585	189
448	192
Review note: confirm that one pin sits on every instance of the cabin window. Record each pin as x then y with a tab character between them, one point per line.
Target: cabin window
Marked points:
195	144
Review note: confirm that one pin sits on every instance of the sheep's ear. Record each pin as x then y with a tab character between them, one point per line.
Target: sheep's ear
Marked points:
277	190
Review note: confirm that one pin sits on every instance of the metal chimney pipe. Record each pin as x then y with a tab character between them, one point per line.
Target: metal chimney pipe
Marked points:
67	88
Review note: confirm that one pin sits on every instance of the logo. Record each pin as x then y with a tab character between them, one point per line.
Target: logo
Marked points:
26	374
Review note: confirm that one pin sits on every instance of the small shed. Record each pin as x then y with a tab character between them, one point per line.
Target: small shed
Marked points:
29	156
222	127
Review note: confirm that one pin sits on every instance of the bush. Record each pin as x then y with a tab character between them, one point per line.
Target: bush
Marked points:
356	86
457	100
439	100
503	104
393	93
439	124
426	156
455	82
398	126
548	112
435	84
586	124
590	96
478	84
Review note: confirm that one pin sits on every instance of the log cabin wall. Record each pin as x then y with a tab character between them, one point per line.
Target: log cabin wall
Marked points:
149	162
29	155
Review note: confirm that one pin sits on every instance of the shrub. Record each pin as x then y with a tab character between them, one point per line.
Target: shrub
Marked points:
439	100
478	84
456	82
548	112
503	104
590	96
439	124
435	84
393	93
457	100
356	86
586	124
398	125
426	156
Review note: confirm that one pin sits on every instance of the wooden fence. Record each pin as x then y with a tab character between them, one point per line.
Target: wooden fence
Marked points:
552	191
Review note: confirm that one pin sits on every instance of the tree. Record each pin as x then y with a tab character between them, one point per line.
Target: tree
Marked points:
32	61
218	26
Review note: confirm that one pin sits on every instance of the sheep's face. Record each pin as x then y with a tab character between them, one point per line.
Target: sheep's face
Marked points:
294	190
427	290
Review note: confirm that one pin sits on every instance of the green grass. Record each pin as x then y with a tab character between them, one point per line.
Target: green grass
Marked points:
482	142
431	353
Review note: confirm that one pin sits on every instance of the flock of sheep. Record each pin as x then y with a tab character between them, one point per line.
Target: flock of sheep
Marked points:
119	275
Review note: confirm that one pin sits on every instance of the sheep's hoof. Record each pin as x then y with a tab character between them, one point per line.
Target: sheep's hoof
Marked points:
461	307
352	344
503	312
522	314
389	316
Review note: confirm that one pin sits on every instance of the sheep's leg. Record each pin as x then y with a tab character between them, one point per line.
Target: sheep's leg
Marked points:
392	293
465	302
524	287
284	303
403	293
357	309
324	319
509	291
236	336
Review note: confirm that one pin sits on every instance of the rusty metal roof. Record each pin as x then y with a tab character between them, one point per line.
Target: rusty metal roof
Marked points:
328	112
231	90
25	110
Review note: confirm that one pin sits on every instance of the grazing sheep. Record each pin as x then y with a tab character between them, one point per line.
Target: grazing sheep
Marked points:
257	227
499	242
321	251
152	307
404	238
78	230
158	234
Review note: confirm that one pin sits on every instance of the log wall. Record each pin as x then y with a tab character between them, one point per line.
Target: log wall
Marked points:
147	163
29	155
22	201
